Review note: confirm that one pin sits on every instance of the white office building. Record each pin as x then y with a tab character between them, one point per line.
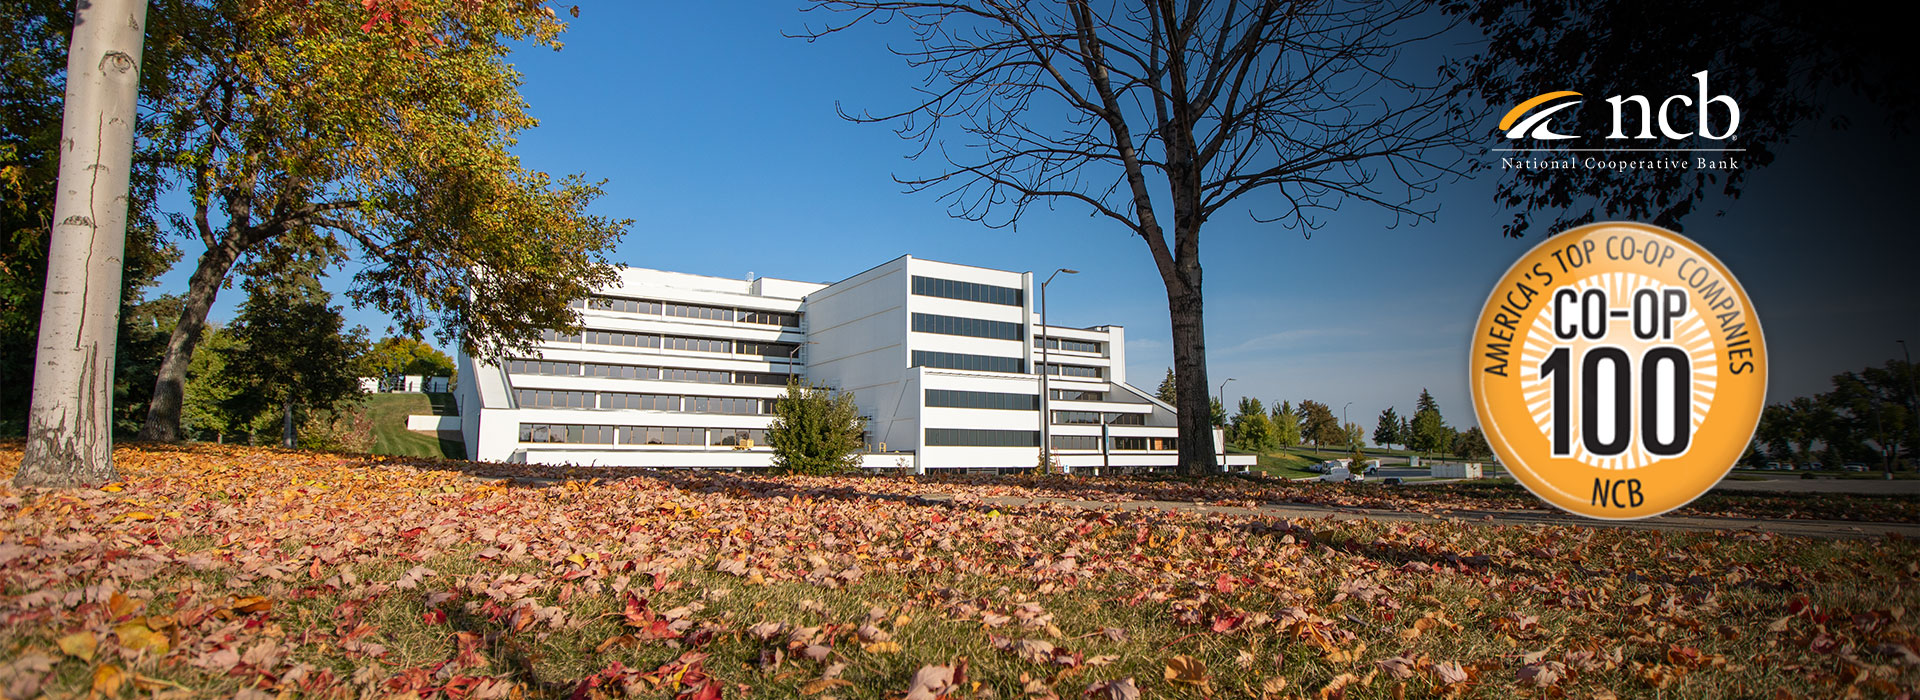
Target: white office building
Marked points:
681	371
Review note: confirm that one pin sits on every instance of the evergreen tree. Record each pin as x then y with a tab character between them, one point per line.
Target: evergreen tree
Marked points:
1472	444
1219	414
1286	425
294	355
1167	392
815	431
1430	431
1387	433
1251	429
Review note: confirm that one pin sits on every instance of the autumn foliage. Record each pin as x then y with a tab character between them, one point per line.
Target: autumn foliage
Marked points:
250	572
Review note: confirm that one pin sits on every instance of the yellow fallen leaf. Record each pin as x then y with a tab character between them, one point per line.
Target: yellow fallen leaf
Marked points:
139	515
883	647
107	680
120	605
1187	670
112	488
79	645
137	637
823	685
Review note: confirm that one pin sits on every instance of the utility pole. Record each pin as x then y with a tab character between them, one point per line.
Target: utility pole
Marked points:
70	423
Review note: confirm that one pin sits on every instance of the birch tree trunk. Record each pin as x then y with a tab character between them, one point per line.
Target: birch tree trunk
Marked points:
70	425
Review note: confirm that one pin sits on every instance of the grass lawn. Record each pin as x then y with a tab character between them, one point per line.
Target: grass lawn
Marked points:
223	571
388	413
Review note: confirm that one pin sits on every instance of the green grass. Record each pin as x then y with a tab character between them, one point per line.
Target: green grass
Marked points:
389	412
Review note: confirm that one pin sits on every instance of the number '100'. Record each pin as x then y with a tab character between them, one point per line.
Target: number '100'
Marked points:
1620	414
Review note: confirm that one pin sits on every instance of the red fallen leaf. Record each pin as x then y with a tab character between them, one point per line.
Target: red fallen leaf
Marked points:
636	612
1223	584
435	616
1227	623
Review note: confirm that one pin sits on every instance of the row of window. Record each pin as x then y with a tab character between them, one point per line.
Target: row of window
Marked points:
639	435
978	363
970	327
1064	344
679	310
946	398
967	291
1074	371
968	437
1092	442
543	398
667	374
1077	395
676	342
1093	418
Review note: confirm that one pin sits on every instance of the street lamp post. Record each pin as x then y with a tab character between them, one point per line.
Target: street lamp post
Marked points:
1913	401
1046	387
1343	423
1223	435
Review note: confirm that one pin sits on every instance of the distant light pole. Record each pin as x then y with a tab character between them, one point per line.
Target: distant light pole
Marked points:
1046	387
1223	434
1343	424
1913	401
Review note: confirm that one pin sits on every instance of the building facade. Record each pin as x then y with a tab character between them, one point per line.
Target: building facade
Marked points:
676	370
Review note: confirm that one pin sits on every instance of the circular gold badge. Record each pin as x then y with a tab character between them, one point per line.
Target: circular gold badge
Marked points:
1618	370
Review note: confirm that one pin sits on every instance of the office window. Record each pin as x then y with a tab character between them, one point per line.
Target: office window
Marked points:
970	327
945	398
763	378
729	405
1077	395
674	374
966	291
979	363
567	434
596	369
785	350
623	339
1163	444
1062	344
1076	442
542	367
1129	443
1076	418
646	402
729	437
543	398
1127	419
708	313
1073	371
646	435
552	336
678	342
966	437
770	318
625	305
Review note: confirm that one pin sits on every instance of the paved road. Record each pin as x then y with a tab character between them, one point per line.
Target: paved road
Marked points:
1828	529
1782	483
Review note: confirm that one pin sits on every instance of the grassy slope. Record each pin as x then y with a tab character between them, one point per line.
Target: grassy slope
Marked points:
524	590
390	434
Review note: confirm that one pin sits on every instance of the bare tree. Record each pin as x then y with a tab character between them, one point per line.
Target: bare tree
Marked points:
70	426
1193	104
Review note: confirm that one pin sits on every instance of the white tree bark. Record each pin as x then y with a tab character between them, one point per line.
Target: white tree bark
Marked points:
70	424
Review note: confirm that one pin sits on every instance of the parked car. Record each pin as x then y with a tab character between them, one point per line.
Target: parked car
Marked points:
1327	466
1855	466
1776	466
1340	474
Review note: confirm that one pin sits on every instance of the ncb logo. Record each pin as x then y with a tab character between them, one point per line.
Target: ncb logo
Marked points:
1519	124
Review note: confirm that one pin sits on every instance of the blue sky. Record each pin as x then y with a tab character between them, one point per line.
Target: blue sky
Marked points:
719	138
